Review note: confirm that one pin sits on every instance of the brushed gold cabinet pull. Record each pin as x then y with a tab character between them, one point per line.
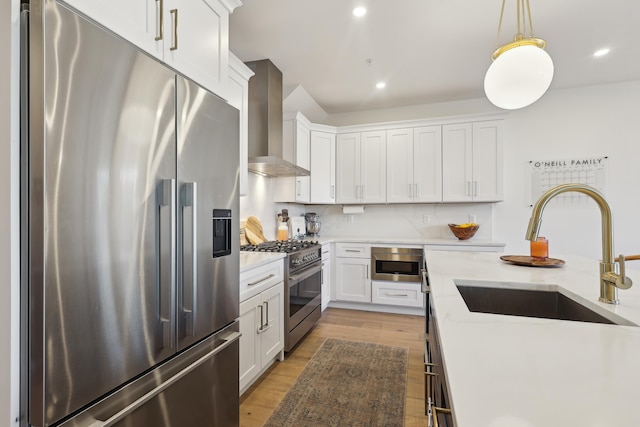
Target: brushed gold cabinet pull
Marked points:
174	12
159	16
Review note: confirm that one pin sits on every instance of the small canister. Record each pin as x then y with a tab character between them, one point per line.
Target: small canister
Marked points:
540	248
283	231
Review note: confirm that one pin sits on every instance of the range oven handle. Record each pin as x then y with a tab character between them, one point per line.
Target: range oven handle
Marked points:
306	273
226	342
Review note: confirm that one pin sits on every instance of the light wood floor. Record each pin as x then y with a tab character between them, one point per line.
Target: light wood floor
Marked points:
259	401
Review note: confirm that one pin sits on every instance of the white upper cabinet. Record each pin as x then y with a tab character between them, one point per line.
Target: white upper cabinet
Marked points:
373	168
400	186
487	161
414	165
303	159
361	167
348	168
472	162
197	41
238	91
136	21
296	147
192	37
457	162
303	144
323	167
427	164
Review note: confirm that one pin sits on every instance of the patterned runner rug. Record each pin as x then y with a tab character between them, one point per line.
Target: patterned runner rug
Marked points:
347	383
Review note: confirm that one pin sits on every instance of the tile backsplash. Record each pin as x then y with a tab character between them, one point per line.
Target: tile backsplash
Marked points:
398	220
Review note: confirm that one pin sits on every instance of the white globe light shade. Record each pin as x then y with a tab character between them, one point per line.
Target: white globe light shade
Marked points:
518	77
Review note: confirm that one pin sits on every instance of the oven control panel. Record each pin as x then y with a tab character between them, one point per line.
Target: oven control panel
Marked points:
306	257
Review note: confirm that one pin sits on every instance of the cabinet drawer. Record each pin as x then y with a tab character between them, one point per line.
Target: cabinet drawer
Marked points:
396	293
256	280
353	250
326	252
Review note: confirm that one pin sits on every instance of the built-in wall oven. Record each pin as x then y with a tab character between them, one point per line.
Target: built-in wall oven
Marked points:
396	264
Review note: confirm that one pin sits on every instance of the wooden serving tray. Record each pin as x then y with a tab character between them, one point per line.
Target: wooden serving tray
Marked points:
532	262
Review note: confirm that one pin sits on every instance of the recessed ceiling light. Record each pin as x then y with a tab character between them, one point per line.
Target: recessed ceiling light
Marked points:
380	85
359	11
601	52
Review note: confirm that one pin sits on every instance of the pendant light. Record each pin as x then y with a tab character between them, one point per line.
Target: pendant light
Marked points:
521	71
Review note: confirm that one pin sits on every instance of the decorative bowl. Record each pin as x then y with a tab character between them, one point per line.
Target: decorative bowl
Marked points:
464	231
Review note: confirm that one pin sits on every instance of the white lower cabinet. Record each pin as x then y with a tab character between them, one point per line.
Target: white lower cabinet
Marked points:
352	287
353	282
352	272
262	329
397	293
326	275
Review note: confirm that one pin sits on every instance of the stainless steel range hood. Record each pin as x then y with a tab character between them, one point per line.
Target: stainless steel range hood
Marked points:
265	123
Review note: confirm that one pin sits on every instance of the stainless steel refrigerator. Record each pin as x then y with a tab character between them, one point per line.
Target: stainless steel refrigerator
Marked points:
130	214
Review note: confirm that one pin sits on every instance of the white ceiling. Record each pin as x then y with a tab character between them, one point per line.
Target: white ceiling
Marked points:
427	50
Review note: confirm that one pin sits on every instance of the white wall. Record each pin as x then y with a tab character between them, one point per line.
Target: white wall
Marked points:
9	215
298	99
593	121
579	122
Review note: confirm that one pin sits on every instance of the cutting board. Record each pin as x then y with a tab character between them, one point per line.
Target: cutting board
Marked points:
254	226
252	237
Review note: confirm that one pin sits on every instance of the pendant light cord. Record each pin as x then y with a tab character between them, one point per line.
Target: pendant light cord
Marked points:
500	25
521	19
530	20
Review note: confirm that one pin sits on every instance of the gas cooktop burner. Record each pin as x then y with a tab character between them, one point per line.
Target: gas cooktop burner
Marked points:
286	246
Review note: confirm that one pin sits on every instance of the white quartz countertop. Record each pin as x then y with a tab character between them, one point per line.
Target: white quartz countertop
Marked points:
421	241
507	371
249	260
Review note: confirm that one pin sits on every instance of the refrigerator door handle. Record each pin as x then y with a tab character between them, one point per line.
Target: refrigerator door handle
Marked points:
165	267
226	342
190	269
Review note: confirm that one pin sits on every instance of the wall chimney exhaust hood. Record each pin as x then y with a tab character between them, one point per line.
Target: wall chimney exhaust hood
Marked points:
265	145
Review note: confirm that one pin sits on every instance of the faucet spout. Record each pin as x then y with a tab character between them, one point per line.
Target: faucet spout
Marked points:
609	279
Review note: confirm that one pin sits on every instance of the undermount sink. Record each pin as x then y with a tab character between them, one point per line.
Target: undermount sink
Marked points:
487	297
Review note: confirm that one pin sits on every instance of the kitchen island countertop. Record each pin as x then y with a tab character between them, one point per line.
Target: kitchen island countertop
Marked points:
507	371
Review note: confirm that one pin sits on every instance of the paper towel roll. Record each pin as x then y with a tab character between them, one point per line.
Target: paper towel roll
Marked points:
350	210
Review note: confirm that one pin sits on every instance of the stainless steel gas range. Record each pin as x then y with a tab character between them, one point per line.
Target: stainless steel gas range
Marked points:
302	286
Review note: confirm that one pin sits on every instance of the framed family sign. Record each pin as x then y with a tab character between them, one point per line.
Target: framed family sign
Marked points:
546	174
